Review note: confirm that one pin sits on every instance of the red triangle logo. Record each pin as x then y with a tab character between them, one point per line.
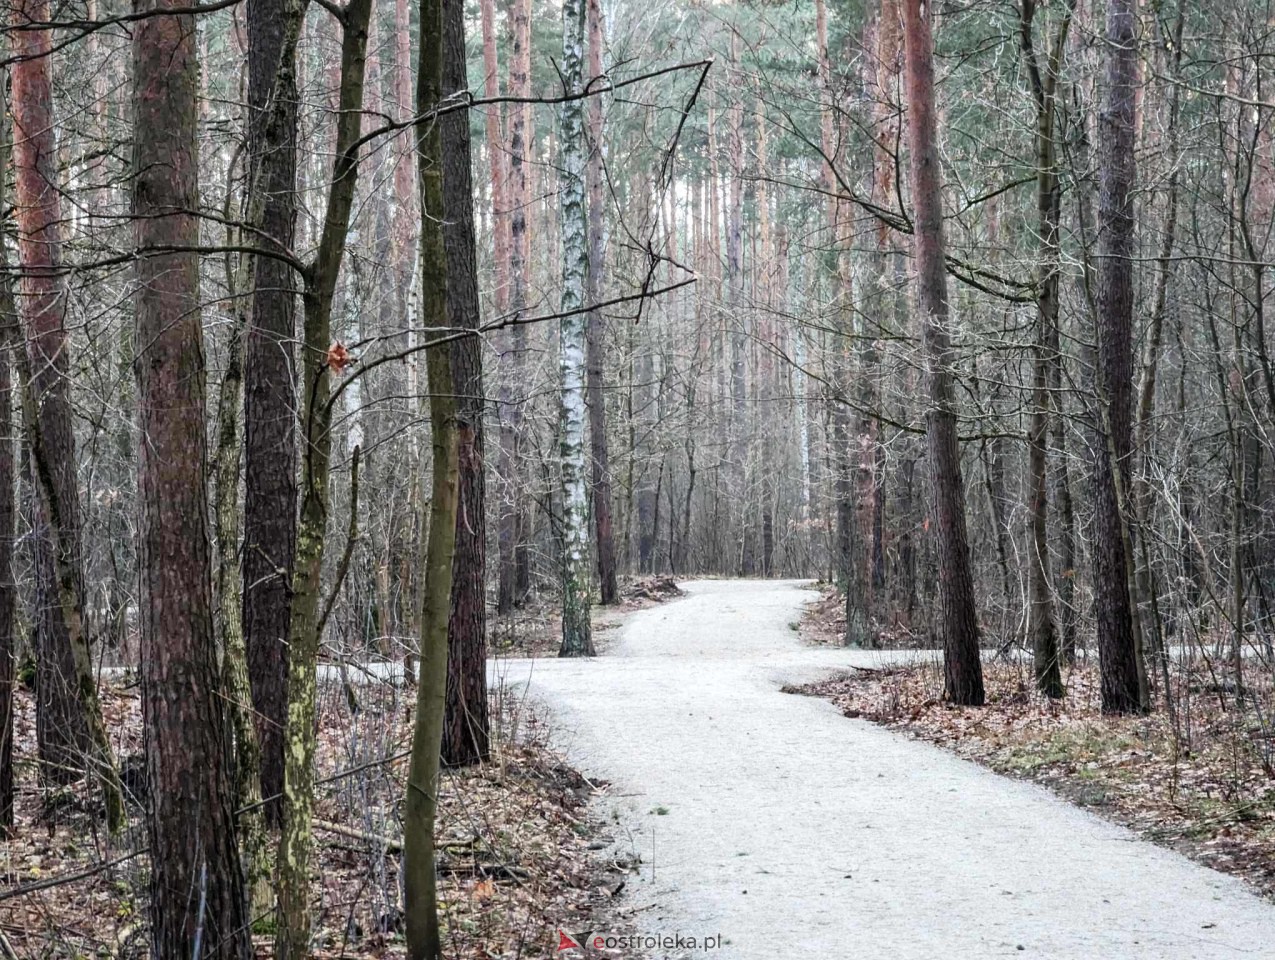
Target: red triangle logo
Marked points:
565	942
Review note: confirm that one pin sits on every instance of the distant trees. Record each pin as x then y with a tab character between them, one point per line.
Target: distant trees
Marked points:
826	311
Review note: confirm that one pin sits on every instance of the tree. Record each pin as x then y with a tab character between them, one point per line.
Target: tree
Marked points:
1120	659
1044	85
600	481
577	637
466	730
513	567
191	828
8	587
958	622
270	460
69	724
308	618
420	901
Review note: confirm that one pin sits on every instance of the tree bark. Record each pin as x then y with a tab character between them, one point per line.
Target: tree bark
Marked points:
497	158
466	729
420	899
513	564
305	628
191	826
1122	690
577	637
270	459
62	733
603	526
9	334
1042	629
958	624
69	726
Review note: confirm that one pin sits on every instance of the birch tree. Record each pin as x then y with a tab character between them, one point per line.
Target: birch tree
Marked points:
577	638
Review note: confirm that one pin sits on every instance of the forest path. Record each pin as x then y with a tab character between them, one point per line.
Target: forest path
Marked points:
793	831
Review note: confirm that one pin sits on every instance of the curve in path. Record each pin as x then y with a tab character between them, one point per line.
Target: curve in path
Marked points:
793	832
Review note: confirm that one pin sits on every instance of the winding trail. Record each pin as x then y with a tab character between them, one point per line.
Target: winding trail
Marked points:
794	832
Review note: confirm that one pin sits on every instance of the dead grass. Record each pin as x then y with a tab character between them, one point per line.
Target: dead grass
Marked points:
1207	790
515	844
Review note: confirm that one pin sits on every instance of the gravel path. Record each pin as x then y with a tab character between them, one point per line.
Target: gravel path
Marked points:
793	832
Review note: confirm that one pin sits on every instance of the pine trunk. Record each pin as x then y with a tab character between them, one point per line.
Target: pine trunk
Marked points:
466	729
958	622
62	732
270	459
600	486
1122	691
191	824
512	568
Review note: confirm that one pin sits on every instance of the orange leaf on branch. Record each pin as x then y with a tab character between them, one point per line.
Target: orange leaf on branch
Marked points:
338	357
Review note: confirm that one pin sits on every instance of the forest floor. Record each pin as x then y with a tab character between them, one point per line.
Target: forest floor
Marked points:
766	825
535	630
1206	789
518	848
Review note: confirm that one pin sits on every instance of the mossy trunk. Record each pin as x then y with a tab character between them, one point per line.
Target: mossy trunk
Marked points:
293	884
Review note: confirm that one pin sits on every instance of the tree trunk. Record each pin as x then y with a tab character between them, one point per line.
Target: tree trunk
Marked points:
1041	626
577	638
9	334
229	599
420	899
963	672
499	162
62	732
1122	690
738	440
466	730
306	626
191	826
601	462
270	464
513	521
69	724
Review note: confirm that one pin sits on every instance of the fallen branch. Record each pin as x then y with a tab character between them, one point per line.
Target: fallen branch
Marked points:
64	878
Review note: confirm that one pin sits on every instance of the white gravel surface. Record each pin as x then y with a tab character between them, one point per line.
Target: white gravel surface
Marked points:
791	831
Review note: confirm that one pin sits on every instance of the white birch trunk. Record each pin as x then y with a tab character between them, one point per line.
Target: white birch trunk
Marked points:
577	640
